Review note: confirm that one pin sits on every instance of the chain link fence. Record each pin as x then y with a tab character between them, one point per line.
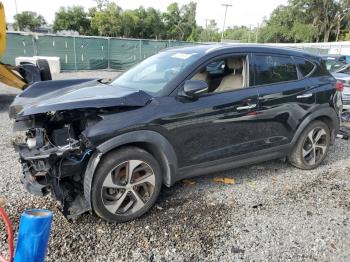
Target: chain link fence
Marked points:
91	53
332	48
85	53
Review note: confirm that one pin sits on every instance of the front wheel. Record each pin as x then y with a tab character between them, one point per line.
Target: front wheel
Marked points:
126	184
311	147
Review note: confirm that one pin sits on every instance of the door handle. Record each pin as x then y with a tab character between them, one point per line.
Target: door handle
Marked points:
246	107
304	96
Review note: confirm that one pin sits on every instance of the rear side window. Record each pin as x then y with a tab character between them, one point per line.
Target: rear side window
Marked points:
305	66
274	69
321	69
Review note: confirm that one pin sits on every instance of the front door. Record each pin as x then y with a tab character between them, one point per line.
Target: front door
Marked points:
220	124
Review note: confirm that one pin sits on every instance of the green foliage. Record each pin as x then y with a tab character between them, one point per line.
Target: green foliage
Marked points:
298	21
72	18
346	37
28	20
107	21
178	23
242	33
307	21
210	33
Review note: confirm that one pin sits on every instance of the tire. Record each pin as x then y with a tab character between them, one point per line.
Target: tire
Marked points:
44	68
308	146
117	197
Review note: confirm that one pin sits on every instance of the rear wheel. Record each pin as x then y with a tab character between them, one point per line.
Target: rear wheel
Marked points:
312	146
126	185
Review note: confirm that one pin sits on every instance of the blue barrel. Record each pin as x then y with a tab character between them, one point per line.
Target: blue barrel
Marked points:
33	235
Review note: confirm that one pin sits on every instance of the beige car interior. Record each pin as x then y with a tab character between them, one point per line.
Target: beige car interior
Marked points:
202	75
234	76
236	79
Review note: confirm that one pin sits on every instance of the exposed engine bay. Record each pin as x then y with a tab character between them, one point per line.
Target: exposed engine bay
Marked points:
64	123
54	156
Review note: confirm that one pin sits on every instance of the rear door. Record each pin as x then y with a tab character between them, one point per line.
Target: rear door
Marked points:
285	96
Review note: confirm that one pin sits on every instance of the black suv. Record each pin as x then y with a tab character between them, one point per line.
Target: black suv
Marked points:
109	146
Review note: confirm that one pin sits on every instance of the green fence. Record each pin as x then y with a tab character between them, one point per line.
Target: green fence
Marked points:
85	53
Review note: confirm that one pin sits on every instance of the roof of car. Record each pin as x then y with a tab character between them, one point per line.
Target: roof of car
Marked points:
211	48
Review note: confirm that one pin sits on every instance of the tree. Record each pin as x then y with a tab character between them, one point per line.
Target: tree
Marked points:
153	26
210	33
307	21
303	32
107	21
73	18
188	21
241	33
130	23
172	21
100	4
180	22
28	20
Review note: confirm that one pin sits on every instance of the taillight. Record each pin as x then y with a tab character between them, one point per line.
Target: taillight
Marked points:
339	86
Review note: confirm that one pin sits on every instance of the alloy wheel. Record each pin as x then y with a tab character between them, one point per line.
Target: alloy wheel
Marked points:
128	187
315	146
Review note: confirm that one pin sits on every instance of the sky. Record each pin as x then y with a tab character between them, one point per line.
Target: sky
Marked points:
242	12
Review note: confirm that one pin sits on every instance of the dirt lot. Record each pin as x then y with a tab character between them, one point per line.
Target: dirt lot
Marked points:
273	212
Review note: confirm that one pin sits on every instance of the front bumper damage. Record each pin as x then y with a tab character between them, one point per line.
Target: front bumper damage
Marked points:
58	151
55	169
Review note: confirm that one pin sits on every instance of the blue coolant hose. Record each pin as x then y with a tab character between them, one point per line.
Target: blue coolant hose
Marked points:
33	235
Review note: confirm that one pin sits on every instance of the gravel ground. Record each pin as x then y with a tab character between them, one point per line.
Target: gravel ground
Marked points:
273	212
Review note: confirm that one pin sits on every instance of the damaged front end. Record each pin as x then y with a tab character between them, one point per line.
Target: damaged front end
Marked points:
54	151
54	156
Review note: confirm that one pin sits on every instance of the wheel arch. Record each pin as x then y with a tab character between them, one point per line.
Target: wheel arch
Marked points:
326	115
151	141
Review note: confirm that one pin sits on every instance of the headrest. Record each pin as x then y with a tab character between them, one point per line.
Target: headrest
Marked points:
235	63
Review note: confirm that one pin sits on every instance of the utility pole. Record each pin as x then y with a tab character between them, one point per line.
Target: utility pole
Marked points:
223	26
257	33
16	7
206	30
16	13
250	32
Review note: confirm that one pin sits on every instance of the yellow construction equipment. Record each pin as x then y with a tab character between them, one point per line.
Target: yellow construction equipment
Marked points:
2	30
25	74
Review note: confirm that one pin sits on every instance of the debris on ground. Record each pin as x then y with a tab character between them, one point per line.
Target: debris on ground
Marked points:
188	182
345	116
257	206
225	180
344	133
237	250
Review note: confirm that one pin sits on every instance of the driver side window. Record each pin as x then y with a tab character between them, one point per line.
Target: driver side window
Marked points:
225	74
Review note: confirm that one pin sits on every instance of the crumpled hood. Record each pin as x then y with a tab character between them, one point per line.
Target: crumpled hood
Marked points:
48	96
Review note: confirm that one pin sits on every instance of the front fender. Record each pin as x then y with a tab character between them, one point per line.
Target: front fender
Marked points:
165	153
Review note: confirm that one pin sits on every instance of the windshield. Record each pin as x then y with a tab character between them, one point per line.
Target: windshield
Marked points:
345	69
152	74
333	65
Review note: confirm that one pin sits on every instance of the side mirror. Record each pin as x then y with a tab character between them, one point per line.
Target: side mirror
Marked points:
194	88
